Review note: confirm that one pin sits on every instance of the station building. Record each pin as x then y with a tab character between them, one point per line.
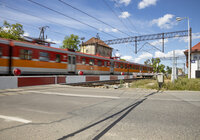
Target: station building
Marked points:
95	46
195	60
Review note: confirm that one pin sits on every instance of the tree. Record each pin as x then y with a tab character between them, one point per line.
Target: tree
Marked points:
71	42
169	70
122	59
11	31
154	62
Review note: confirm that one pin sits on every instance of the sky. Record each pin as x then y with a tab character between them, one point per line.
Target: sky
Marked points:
123	18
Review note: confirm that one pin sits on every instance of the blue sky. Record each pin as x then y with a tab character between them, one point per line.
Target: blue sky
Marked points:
138	16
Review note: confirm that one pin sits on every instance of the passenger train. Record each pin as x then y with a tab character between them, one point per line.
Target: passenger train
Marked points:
32	59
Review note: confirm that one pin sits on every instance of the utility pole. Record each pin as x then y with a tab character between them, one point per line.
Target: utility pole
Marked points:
174	76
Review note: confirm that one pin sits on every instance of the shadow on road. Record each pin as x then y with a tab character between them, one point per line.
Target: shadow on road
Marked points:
128	108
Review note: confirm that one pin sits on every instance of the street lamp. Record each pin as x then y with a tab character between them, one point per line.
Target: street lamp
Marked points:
189	49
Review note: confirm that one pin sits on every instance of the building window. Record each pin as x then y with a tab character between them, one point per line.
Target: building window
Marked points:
91	62
195	57
1	51
26	54
58	58
44	56
99	63
83	61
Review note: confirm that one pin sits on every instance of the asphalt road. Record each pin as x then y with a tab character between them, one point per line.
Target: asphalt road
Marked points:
80	113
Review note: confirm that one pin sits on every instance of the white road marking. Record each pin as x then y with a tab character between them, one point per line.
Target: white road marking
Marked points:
74	95
9	118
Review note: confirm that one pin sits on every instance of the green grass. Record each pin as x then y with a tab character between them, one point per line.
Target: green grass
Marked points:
146	83
179	84
183	84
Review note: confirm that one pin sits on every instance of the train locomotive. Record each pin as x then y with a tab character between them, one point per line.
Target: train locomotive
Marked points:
35	59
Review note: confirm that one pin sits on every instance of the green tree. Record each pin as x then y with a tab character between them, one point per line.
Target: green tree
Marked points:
161	68
11	31
122	59
71	42
154	62
169	70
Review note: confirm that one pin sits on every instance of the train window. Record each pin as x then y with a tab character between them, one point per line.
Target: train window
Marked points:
117	65
58	58
91	62
105	64
44	56
26	54
121	66
69	60
99	63
125	66
1	51
74	60
83	61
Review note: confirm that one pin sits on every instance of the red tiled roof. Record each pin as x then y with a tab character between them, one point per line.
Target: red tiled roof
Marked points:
94	40
195	48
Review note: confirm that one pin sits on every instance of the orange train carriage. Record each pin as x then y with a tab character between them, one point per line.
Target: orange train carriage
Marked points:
32	58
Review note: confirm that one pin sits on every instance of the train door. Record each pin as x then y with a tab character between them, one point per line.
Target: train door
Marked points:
71	63
111	67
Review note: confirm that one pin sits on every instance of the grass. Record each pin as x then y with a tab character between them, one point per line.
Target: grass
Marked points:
179	84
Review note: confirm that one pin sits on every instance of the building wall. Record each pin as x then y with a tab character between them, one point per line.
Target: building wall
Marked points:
104	51
89	49
101	50
195	63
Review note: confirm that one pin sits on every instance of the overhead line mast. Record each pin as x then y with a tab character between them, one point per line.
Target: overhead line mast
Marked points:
148	37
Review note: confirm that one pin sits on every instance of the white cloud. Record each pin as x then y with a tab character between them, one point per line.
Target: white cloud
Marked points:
117	54
143	56
146	3
194	36
158	42
114	30
125	2
124	15
164	22
26	34
169	54
108	30
54	41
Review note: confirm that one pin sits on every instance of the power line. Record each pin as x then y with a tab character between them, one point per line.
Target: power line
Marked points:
69	17
92	16
42	19
30	25
134	26
127	17
116	15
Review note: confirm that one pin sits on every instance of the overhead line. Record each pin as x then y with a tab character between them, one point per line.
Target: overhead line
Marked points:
116	15
92	16
69	17
44	20
30	25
